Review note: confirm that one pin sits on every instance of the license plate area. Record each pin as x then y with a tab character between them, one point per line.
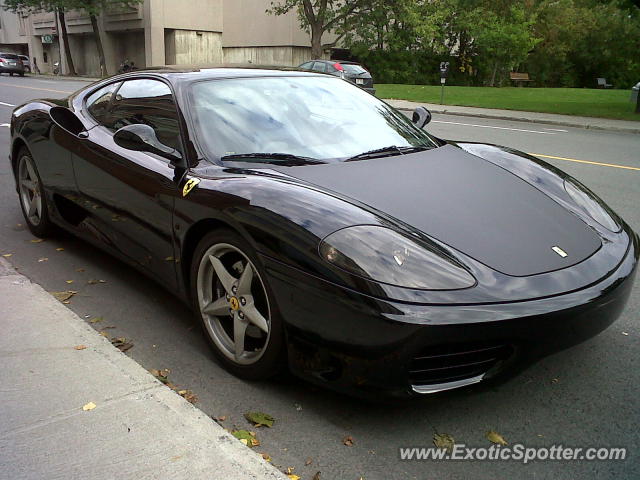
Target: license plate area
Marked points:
359	81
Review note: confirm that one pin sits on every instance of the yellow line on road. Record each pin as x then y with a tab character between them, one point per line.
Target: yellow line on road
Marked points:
586	161
34	88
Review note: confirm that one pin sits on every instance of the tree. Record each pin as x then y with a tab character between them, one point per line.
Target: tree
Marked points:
321	16
57	7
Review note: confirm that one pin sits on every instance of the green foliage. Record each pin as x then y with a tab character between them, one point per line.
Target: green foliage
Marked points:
565	43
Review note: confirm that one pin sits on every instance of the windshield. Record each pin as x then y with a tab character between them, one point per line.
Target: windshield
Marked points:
320	118
9	56
354	69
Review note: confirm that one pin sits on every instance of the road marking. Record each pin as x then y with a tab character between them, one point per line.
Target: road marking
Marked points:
7	104
4	125
557	130
613	165
34	88
491	126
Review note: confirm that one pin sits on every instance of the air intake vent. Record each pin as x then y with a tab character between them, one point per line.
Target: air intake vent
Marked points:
452	363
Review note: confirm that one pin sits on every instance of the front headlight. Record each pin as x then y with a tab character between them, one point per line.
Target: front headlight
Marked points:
386	256
592	205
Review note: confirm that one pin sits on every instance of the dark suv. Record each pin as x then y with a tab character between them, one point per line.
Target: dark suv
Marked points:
351	71
11	63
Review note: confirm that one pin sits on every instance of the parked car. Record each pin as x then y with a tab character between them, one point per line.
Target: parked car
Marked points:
26	62
351	71
10	63
309	223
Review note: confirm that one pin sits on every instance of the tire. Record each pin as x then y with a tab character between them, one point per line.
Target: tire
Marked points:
227	297
30	190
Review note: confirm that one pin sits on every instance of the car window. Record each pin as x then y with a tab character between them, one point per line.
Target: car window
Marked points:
99	101
320	66
9	56
149	102
353	69
306	66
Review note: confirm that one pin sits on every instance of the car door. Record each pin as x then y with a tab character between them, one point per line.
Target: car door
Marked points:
130	195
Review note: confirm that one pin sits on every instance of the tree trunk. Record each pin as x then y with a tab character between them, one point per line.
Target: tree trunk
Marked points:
493	75
65	40
96	34
316	41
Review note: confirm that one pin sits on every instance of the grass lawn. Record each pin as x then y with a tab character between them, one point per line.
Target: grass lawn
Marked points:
568	101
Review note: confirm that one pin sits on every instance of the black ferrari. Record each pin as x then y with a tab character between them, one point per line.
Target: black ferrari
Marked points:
310	225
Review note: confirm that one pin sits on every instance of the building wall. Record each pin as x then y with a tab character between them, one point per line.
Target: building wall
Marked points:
283	56
189	47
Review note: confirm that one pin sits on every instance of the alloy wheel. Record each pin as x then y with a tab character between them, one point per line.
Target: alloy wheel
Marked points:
233	303
30	190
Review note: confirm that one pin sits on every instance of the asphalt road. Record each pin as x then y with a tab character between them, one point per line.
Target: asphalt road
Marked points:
586	396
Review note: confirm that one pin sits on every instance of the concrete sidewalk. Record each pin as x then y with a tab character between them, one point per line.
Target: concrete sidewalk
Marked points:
140	429
520	116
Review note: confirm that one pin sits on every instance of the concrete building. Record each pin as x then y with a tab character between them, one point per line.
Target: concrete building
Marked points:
162	32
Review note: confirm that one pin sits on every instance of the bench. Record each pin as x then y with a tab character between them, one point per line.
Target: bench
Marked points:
519	78
602	83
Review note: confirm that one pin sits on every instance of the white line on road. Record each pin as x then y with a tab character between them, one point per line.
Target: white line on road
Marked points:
497	128
4	125
7	104
557	130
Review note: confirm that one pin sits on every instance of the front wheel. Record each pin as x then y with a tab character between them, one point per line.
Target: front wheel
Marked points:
32	200
235	305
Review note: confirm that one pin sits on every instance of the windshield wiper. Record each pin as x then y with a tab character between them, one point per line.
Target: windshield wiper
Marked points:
286	158
386	152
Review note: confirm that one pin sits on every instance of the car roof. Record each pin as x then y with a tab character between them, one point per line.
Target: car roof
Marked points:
343	62
188	73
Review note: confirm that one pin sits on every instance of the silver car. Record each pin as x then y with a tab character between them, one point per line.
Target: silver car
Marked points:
11	63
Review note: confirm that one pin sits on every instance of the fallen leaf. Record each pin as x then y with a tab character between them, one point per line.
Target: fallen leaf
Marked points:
89	406
7	255
80	347
292	476
266	456
443	440
104	334
348	441
495	437
290	470
69	282
555	380
92	282
43	259
161	375
96	320
260	419
308	462
169	259
79	270
246	437
63	296
626	334
221	418
37	240
60	249
316	476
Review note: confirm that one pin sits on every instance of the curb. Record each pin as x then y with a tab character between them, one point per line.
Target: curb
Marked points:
516	118
128	395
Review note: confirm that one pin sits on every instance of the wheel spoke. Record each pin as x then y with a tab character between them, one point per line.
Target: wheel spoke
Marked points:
33	207
28	184
244	285
217	308
251	312
38	200
239	330
32	173
225	277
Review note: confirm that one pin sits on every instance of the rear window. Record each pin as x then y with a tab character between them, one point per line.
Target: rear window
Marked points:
9	56
356	69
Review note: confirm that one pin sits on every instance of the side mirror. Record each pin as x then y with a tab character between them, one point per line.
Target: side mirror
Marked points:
67	120
421	117
142	138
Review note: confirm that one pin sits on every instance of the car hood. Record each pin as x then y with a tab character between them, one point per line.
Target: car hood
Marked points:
461	200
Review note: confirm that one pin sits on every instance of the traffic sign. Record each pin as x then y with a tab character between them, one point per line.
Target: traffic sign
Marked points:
47	38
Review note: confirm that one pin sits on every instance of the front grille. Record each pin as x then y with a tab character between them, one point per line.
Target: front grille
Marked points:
452	363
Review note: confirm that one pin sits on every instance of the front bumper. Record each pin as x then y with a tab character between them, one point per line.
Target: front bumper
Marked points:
11	69
364	346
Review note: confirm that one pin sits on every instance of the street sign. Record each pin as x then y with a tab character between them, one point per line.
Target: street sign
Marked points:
47	38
